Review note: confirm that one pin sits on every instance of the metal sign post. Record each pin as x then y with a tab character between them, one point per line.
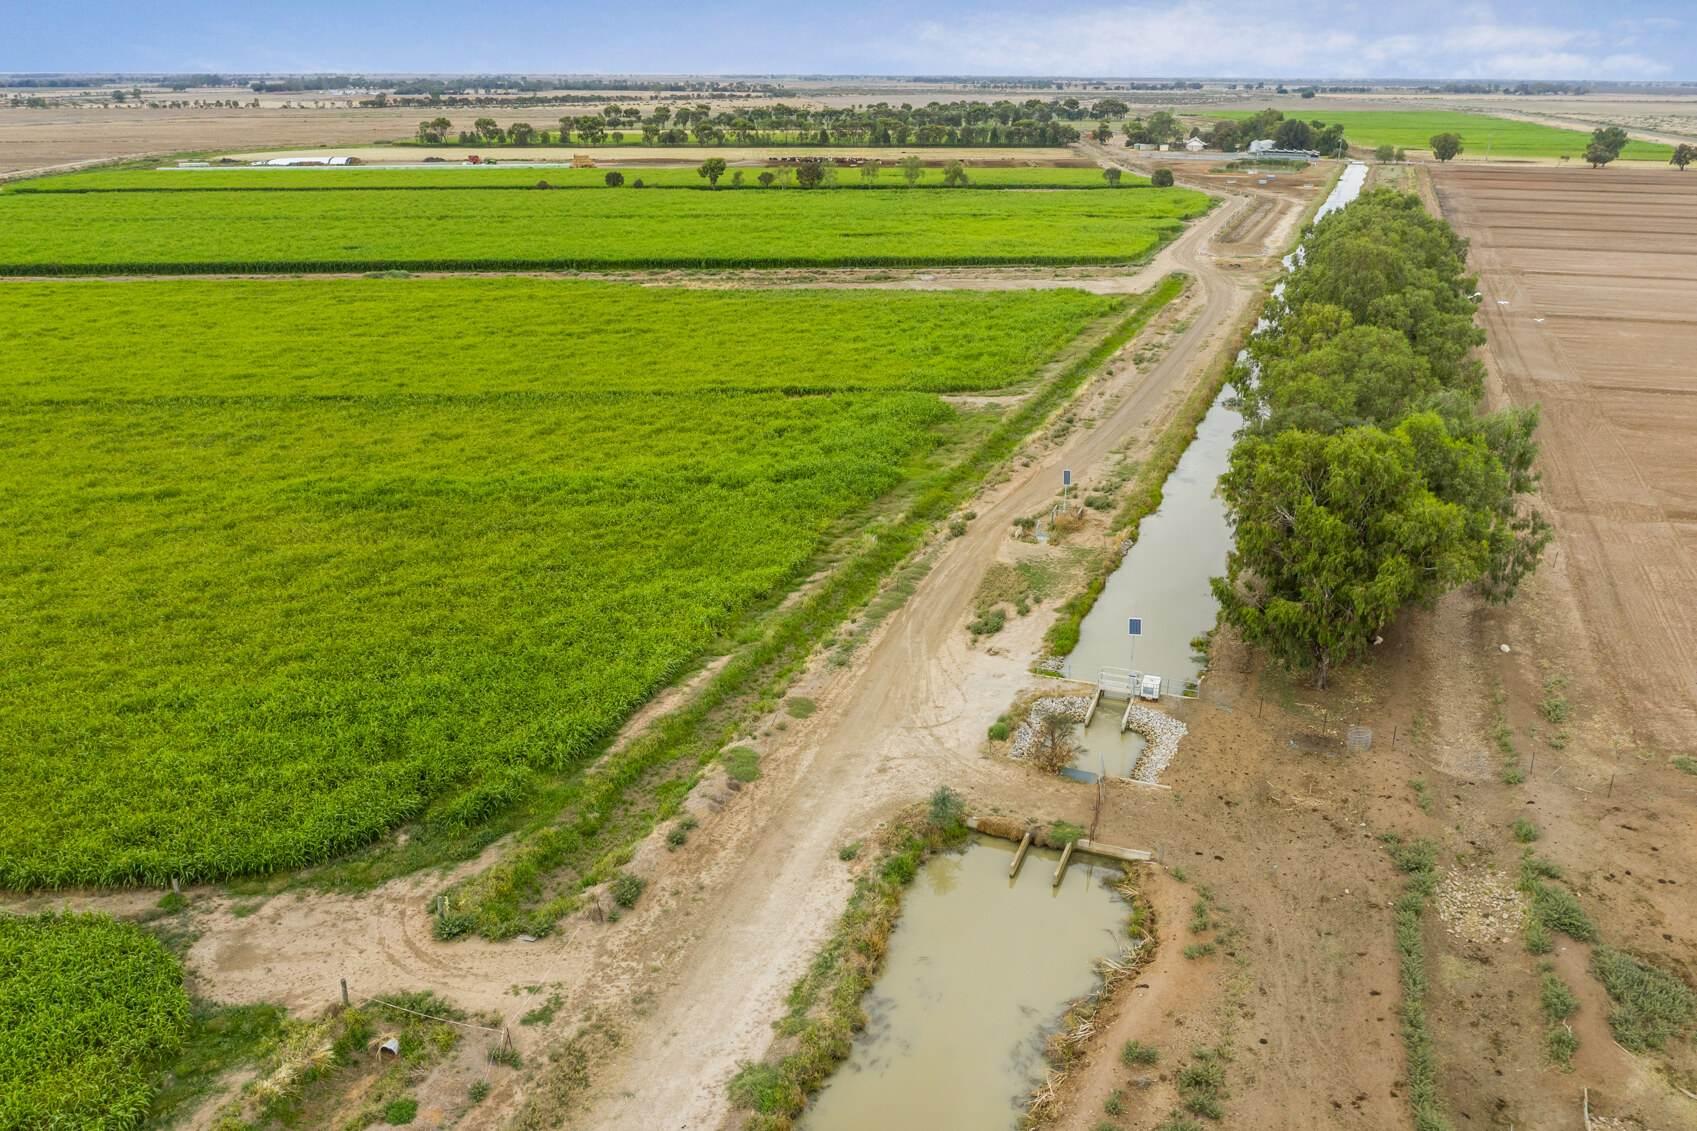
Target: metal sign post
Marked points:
1066	482
1134	629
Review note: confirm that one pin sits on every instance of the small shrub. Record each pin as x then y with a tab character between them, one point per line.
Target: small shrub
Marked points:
741	763
988	622
901	868
1525	831
626	889
1054	747
1685	765
1115	1103
1161	178
849	851
1202	1085
1559	1046
478	1092
506	1056
403	1110
948	810
999	730
1136	1054
172	902
1556	999
957	527
763	1088
1199	950
1538	937
614	178
1558	910
677	836
1554	706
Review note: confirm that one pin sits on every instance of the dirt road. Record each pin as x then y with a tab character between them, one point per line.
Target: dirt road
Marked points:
909	716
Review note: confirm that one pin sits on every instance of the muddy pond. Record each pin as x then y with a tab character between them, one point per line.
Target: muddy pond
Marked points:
979	970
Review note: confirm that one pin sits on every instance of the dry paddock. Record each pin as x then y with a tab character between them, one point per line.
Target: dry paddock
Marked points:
1590	300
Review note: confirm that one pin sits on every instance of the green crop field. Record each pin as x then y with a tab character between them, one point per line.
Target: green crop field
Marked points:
508	176
1481	134
185	232
290	562
89	1008
338	337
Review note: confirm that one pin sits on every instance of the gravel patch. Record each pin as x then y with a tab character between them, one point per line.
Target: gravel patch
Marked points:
1481	906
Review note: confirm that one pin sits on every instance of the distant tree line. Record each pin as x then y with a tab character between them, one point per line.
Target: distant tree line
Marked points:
1034	122
1365	479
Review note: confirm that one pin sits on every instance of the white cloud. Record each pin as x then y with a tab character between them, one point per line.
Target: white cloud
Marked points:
1190	37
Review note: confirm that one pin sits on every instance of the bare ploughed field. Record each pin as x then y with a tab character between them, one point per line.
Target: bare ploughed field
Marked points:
1590	299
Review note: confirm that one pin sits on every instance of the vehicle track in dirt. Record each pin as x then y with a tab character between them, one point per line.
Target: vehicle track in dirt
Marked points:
909	715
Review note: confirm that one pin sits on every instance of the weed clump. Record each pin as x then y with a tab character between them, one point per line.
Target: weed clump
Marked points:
626	889
1652	1007
1418	861
741	763
1136	1054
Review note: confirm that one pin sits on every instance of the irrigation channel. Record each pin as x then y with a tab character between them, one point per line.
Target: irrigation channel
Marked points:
979	966
1164	578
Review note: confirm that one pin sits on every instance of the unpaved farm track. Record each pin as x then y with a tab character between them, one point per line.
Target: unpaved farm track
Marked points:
697	972
1590	299
910	715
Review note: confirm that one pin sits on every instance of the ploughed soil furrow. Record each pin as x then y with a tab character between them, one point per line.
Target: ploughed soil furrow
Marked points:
1592	312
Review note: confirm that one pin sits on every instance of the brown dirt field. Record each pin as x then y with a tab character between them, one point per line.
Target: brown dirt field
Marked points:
70	135
1603	342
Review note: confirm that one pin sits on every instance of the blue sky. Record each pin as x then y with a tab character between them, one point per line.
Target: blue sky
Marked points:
1617	39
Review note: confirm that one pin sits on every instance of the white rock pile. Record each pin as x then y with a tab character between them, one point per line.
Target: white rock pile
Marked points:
1163	733
1070	707
1481	906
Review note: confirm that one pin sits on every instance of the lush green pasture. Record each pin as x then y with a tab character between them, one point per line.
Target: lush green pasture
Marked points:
367	337
89	1007
1481	134
43	233
265	603
460	175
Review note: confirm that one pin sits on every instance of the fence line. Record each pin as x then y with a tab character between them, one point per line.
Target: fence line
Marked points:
432	1017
